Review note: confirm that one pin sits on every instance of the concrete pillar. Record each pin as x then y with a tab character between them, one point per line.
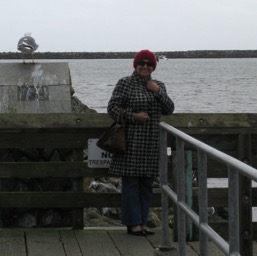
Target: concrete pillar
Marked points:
35	88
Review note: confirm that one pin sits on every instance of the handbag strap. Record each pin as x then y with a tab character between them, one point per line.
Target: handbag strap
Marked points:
122	111
121	116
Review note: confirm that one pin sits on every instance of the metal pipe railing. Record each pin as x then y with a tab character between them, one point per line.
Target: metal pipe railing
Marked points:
206	232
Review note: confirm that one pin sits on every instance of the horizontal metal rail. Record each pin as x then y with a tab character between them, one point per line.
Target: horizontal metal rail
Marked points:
201	221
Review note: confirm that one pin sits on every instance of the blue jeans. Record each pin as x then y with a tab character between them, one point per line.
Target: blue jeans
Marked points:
136	197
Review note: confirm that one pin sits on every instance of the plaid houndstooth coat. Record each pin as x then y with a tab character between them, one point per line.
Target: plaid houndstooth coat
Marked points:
142	138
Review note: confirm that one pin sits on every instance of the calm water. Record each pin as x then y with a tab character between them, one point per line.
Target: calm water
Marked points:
195	85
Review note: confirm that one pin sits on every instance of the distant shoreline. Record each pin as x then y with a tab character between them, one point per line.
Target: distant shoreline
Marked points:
129	55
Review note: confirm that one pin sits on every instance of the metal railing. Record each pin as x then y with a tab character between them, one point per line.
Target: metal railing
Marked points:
235	167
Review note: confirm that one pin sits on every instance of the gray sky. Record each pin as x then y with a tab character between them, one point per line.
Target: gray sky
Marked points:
130	25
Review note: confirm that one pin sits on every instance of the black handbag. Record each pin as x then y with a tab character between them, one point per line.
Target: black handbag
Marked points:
113	139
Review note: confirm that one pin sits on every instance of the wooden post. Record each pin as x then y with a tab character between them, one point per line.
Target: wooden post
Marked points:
78	214
245	197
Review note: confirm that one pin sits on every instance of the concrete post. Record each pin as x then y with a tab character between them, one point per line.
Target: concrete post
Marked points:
35	88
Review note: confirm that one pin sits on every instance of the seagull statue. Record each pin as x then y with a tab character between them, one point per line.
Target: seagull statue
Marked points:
27	45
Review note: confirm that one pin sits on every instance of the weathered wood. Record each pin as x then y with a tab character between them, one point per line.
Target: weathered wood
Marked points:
91	242
77	186
96	243
222	229
44	242
50	170
218	197
218	140
64	199
70	243
54	121
47	139
131	245
213	250
12	243
185	121
213	120
245	197
72	130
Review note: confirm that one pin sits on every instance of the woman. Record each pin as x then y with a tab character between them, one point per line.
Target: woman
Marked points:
144	101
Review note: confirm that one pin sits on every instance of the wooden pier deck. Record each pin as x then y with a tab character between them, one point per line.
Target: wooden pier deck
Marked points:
91	241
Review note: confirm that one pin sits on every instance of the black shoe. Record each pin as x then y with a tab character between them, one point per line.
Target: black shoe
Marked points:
135	233
148	232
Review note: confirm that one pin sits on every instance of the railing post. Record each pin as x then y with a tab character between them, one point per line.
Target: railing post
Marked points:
189	191
233	194
181	195
236	169
245	197
163	172
203	200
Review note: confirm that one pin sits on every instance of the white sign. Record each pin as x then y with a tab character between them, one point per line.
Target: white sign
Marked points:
97	158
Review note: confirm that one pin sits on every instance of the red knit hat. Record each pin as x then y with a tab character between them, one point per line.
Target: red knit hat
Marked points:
145	55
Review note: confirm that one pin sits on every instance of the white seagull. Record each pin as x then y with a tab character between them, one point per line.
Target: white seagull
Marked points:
27	45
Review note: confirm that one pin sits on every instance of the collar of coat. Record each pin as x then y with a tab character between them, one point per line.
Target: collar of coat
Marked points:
138	77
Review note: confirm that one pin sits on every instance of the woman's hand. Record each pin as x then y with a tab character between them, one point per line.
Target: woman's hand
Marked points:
140	116
152	86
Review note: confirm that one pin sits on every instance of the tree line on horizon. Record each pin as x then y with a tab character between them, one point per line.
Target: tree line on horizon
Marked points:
129	55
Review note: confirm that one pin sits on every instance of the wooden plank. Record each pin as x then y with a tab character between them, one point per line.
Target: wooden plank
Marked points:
77	138
77	186
219	196
156	241
64	199
54	120
190	123
42	242
96	242
220	141
222	229
70	243
213	250
131	245
207	120
187	121
218	130
255	248
58	199
49	169
45	140
12	242
81	243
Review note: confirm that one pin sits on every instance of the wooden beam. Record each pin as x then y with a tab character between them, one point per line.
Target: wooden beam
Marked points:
64	199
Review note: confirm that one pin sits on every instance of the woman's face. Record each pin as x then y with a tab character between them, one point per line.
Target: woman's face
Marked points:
144	68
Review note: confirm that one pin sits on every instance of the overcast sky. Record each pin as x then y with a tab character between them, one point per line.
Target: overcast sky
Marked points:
130	25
